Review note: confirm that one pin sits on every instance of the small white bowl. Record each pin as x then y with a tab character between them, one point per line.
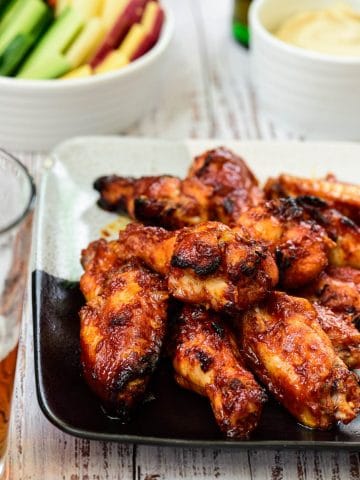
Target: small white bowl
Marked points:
37	114
315	94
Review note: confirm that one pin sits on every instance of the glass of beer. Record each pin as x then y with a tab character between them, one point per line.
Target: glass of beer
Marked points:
17	194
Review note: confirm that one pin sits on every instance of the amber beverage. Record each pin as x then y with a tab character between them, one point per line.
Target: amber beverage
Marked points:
17	194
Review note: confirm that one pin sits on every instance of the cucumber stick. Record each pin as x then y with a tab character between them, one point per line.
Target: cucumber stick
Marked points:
11	12
14	53
48	59
21	44
53	66
4	4
28	17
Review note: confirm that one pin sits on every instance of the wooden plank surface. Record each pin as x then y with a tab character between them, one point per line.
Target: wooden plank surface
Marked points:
206	93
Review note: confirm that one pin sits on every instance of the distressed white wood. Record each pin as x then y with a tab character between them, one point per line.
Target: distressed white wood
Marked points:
207	93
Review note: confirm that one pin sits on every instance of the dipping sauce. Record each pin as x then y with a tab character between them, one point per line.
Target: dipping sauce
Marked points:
334	31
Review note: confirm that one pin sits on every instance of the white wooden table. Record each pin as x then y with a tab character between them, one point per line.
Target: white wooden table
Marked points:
206	94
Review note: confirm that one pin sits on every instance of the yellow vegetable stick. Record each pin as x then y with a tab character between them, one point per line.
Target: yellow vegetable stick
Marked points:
149	14
111	11
133	39
88	8
114	61
81	72
86	43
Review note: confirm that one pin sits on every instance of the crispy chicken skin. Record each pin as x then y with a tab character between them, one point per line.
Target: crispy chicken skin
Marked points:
207	361
210	264
122	326
301	246
293	357
234	187
343	197
218	187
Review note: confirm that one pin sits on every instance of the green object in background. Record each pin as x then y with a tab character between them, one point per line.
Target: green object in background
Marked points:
17	49
48	60
240	21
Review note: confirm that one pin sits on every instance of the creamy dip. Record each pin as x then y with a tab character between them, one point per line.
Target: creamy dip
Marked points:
334	31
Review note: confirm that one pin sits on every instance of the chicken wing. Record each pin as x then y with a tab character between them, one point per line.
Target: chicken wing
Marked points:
301	246
98	260
218	187
207	361
337	288
335	295
343	197
209	264
122	326
344	336
161	201
234	187
344	232
293	357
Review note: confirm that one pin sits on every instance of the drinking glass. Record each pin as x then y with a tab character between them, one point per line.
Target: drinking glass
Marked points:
17	194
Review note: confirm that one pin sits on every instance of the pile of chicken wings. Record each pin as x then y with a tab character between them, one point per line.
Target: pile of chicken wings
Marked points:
249	291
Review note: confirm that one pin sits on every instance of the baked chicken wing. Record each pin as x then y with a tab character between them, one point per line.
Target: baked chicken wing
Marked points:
234	188
164	201
122	326
343	197
344	335
344	232
335	295
292	356
219	186
301	246
99	259
209	264
337	288
207	361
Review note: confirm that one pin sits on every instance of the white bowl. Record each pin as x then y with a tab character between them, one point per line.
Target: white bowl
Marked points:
37	114
314	94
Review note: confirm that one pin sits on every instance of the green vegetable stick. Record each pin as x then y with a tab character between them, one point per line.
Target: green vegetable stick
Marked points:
47	60
30	14
21	44
10	13
4	4
53	66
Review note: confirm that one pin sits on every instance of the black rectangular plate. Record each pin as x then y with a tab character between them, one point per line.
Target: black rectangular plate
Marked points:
170	416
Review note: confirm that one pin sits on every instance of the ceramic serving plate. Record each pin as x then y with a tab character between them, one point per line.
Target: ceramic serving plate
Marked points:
68	219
